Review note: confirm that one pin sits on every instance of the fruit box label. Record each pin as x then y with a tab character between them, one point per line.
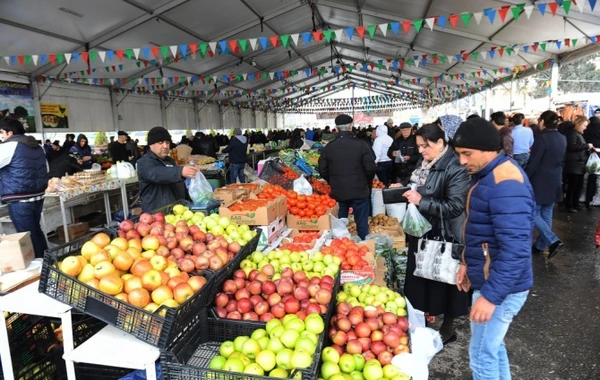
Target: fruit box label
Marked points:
358	277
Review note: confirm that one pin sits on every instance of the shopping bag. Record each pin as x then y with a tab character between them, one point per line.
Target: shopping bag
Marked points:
339	227
396	210
434	261
302	186
593	164
414	223
377	202
200	189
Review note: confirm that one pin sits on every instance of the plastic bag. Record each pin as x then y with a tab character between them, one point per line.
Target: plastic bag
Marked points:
593	164
377	202
414	223
200	189
302	186
339	227
396	210
382	242
250	174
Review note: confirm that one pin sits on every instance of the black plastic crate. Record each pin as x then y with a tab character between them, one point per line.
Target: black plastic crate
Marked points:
17	324
99	372
51	367
151	328
165	209
188	358
207	209
32	345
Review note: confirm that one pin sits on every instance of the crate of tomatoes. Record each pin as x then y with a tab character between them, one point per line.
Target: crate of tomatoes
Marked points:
358	259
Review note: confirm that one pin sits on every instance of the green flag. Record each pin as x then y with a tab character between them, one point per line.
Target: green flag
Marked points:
129	53
567	6
516	11
165	51
60	58
328	34
371	29
244	43
203	47
475	54
285	40
466	18
418	24
93	55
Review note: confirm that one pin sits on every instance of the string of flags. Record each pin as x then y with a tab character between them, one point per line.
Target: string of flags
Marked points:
210	49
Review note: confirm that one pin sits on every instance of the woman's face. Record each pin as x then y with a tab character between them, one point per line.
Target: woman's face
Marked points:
82	143
429	149
581	127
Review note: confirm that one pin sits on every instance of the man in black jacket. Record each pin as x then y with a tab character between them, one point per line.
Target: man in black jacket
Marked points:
205	145
161	180
404	153
118	149
348	165
237	149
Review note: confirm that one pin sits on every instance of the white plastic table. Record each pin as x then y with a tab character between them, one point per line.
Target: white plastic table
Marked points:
115	348
28	300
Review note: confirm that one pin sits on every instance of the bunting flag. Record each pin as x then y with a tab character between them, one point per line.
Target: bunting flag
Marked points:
181	51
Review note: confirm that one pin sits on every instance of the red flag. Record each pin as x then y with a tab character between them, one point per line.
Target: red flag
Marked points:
501	51
274	40
553	7
84	56
193	48
21	59
154	51
406	25
453	20
318	36
120	55
534	47
52	58
361	31
503	11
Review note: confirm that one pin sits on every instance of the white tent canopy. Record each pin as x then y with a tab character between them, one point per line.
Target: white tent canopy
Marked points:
141	68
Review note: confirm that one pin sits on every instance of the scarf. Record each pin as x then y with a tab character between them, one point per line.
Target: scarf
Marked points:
419	175
450	124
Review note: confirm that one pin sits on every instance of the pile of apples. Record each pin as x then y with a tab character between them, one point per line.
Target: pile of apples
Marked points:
350	253
373	295
316	264
371	332
275	351
194	241
121	268
264	295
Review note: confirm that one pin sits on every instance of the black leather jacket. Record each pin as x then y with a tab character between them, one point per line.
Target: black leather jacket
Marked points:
206	146
577	153
161	182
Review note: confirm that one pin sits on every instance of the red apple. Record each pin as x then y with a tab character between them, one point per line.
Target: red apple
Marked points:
292	306
365	343
343	308
378	347
234	315
312	308
391	339
244	306
278	310
255	299
273	299
339	338
255	287
261	308
301	293
126	226
231	306
241	294
267	287
221	300
323	296
354	347
343	324
230	287
239	274
221	312
266	317
385	358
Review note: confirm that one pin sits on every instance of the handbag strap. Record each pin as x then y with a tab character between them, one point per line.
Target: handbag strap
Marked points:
451	235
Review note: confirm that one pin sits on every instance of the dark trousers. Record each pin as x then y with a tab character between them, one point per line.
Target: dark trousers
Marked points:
591	188
360	210
26	218
236	171
384	171
574	189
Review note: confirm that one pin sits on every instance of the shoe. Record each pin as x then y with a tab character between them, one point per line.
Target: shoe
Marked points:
450	340
553	249
572	211
535	251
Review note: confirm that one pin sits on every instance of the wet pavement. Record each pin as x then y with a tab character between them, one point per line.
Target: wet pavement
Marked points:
556	336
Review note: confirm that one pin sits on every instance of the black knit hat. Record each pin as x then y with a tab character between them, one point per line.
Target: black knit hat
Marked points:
477	134
158	134
343	120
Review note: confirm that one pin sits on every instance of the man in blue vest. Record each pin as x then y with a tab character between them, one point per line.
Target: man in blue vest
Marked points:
23	181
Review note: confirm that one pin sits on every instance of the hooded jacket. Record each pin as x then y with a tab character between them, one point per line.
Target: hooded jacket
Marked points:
64	163
161	182
237	148
23	169
382	144
84	151
592	133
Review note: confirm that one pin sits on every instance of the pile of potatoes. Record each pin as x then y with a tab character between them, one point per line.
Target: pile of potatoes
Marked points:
381	223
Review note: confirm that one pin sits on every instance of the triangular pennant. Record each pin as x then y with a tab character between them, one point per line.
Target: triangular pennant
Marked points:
165	51
543	45
102	55
34	57
213	47
580	5
574	41
184	50
203	49
475	55
516	11
317	35
173	49
406	25
553	8
418	24
526	48
155	51
454	20
295	37
466	18
592	4
528	10
477	16
274	41
503	12
483	55
383	29
361	31
430	22
350	32
542	8
491	14
306	37
44	57
567	6
59	57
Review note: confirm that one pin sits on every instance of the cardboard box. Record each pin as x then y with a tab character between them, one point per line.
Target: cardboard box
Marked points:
294	232
75	231
270	233
321	223
282	206
364	276
251	188
262	216
230	195
16	252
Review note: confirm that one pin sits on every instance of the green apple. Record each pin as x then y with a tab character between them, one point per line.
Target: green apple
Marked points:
359	362
295	257
271	255
314	323
347	363
257	257
262	264
279	373
179	209
401	302
319	267
218	362
295	324
238	342
329	369
244	359
277	331
263	342
227	348
401	312
369	299
254	369
334	268
337	260
301	359
224	222
266	360
275	345
317	256
248	235
373	370
284	358
357	375
231	228
289	338
310	335
258	333
330	354
288	318
390	370
246	264
244	227
308	265
285	259
355	303
272	324
303	256
234	365
250	348
306	344
341	297
297	267
339	376
328	259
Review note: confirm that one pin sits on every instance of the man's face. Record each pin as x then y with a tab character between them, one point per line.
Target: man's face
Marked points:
4	135
474	160
406	132
161	148
55	147
122	139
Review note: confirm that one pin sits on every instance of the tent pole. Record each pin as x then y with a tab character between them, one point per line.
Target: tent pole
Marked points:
115	110
163	113
554	74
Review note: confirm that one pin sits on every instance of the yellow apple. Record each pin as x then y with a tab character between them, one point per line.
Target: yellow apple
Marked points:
87	273
112	250
104	269
148	254
122	296
120	243
111	284
151	280
126	276
99	257
89	249
71	266
172	272
123	261
162	294
133	283
151	307
182	292
159	263
134	252
82	259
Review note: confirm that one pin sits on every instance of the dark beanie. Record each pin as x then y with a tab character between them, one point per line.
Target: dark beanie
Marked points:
477	134
343	120
158	134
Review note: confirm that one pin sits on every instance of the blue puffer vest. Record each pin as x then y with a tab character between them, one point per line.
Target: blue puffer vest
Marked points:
27	174
498	231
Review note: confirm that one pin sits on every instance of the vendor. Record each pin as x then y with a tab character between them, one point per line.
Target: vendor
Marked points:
297	141
118	149
161	180
64	164
84	151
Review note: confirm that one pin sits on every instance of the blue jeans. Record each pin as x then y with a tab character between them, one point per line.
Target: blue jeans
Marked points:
487	352
522	159
236	171
26	218
543	224
384	172
360	210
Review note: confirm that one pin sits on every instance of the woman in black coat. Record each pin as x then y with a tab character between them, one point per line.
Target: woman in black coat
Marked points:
592	136
296	142
575	160
544	170
442	187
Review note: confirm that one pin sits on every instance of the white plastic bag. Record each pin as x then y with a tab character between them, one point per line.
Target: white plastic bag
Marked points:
414	223
396	210
302	186
250	174
377	202
593	164
339	227
200	189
